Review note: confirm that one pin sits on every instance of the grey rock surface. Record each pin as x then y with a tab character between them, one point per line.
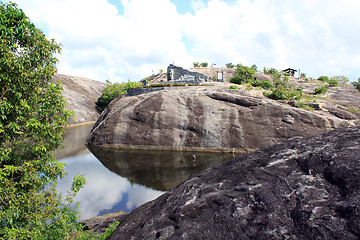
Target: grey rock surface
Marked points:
81	94
203	119
303	188
175	73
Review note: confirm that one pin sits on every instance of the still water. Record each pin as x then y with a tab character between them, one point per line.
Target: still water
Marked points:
124	179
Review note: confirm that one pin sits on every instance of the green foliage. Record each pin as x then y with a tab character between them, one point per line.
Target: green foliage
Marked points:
236	80
254	67
244	74
320	90
109	230
204	64
323	78
354	109
233	87
282	93
112	91
357	84
248	86
280	82
342	80
300	104
264	84
270	71
333	82
230	65
303	75
286	74
196	64
32	119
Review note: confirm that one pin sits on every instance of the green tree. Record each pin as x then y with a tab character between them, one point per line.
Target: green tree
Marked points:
230	65
244	73
112	91
323	78
196	64
270	71
32	119
333	82
254	67
357	84
204	64
342	80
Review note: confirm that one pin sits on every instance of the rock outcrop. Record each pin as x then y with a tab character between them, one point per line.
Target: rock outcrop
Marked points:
81	94
200	119
175	73
303	188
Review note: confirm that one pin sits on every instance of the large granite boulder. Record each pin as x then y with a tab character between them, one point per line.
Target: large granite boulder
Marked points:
303	188
203	120
81	95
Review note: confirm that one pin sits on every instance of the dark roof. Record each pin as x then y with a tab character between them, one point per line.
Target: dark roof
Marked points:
290	69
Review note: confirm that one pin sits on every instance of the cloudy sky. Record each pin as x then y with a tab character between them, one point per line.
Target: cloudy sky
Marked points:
123	40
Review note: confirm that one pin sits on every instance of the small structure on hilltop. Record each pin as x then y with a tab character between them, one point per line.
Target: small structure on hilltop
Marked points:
290	71
178	74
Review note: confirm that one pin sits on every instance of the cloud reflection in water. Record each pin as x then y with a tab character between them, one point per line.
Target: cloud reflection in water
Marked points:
104	191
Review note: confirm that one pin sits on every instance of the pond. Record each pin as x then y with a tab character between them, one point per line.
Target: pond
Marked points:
124	179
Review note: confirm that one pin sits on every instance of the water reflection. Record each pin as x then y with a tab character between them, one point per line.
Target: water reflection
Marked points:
155	169
123	180
105	191
74	139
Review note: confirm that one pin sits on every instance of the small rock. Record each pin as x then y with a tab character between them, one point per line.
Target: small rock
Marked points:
288	119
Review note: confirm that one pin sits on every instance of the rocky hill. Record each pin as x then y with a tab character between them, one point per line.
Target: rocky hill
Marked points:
81	94
303	188
213	119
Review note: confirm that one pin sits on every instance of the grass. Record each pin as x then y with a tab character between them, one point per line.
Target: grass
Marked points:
354	109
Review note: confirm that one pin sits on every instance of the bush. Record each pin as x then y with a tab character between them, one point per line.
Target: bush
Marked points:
357	84
270	71
264	84
343	81
320	90
282	93
204	64
333	82
196	64
236	80
277	94
323	78
234	87
113	91
230	65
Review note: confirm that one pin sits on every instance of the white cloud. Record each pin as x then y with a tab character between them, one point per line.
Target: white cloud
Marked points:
104	189
321	37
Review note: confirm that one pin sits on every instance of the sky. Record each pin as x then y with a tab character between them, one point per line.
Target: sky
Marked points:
122	40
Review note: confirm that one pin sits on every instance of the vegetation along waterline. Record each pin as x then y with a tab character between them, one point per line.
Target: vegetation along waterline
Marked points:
33	116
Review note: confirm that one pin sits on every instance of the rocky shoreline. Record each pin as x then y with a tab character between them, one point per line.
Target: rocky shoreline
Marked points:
302	188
